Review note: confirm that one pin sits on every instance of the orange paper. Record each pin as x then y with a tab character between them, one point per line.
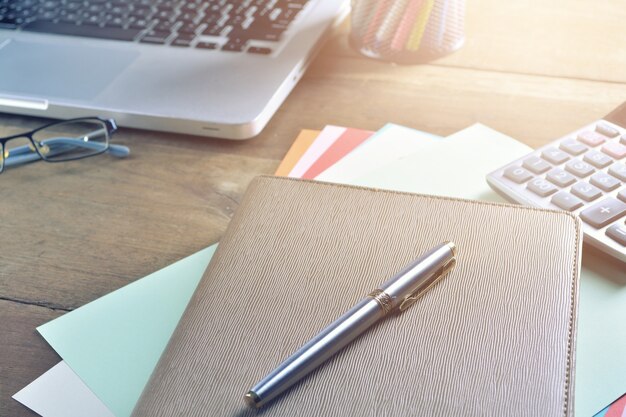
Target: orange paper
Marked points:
304	140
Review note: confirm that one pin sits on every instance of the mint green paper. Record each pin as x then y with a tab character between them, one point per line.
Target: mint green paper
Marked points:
114	342
601	346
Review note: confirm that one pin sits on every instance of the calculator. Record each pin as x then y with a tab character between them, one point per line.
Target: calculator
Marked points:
583	172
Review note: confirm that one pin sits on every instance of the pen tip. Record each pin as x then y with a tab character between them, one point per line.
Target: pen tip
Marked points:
251	399
452	247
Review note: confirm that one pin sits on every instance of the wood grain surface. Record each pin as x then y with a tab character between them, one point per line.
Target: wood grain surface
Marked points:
72	232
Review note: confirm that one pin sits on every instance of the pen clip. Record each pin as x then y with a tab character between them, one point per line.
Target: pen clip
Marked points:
410	299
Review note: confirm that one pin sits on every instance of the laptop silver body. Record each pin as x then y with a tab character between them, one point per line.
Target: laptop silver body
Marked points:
188	90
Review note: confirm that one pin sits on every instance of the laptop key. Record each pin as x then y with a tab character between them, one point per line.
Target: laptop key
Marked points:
187	27
140	24
8	23
206	45
90	31
163	26
155	36
234	45
603	212
259	50
183	39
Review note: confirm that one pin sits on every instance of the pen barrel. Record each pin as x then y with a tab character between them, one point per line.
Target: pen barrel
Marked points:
400	292
319	349
419	274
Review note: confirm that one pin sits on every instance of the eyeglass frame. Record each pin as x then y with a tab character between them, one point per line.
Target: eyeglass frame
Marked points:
110	125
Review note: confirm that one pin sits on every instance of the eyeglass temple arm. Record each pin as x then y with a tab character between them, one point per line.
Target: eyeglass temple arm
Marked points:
24	154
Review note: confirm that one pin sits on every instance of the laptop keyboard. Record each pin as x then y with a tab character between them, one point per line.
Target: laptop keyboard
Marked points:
228	25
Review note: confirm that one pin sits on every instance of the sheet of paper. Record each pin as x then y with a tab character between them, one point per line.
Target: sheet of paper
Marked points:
346	143
324	140
601	340
114	342
388	144
601	345
61	393
298	148
454	166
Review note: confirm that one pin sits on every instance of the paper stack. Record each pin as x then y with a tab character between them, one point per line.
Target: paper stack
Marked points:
110	346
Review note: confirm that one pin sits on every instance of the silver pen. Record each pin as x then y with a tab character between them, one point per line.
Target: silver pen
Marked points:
397	294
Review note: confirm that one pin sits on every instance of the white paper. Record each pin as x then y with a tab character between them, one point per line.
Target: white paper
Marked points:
388	144
454	166
324	140
61	393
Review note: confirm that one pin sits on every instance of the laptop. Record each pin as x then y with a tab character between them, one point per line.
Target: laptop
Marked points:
218	68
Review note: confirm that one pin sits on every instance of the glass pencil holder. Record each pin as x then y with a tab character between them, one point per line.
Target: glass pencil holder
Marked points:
407	31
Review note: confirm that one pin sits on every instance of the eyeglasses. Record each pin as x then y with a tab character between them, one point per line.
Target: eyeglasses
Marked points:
60	142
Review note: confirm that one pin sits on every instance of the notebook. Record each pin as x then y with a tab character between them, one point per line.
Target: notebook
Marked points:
495	337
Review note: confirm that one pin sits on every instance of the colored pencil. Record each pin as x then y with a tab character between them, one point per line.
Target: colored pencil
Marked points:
417	31
403	31
392	19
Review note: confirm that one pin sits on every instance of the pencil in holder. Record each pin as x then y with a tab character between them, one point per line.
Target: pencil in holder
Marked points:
407	31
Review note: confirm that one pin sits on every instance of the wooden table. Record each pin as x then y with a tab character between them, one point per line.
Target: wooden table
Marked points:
76	231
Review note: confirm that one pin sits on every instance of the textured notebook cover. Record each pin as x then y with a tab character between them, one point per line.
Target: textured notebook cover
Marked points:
493	338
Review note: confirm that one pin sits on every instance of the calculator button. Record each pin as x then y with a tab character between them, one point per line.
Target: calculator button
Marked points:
561	178
606	130
597	159
536	165
566	201
617	232
622	195
586	191
615	150
579	168
573	147
603	212
554	155
591	138
541	187
618	171
517	174
604	181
